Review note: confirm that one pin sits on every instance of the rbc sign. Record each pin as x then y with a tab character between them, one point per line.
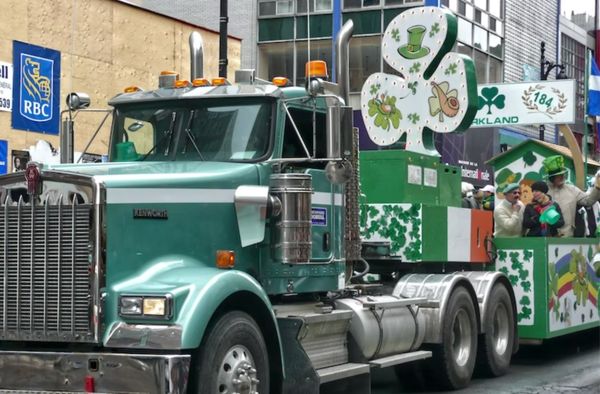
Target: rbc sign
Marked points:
36	88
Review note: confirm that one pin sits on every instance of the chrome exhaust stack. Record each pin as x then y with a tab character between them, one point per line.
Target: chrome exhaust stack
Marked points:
196	56
342	73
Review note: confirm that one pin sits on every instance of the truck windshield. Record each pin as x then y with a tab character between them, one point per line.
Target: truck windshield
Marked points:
208	129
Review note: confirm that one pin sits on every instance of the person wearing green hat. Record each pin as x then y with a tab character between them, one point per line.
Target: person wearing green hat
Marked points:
566	195
508	213
542	217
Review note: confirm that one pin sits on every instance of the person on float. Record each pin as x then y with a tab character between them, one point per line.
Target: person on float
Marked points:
566	195
542	217
489	192
508	213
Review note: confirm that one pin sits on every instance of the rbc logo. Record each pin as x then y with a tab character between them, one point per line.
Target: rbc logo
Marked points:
36	88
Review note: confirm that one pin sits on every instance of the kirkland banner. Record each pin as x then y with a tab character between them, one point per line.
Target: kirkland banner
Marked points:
3	156
36	88
524	103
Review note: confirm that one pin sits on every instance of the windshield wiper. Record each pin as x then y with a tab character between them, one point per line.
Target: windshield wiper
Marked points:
169	134
190	136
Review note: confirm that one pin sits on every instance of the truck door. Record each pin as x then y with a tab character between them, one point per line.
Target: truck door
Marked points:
327	198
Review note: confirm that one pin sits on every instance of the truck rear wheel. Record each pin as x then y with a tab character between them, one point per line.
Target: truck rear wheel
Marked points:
495	346
454	359
232	358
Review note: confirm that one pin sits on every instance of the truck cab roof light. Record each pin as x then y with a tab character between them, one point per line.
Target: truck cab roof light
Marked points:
316	69
182	83
200	82
220	81
280	81
132	89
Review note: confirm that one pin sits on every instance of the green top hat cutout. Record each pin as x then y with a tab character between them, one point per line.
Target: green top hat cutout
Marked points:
554	165
414	48
506	176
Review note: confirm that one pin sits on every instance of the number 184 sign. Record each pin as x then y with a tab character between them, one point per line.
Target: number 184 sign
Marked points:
525	103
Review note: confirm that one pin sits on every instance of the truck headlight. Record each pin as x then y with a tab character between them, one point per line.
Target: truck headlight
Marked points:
155	306
130	305
145	306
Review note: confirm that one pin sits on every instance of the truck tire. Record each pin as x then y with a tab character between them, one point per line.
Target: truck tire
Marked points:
454	359
495	346
232	358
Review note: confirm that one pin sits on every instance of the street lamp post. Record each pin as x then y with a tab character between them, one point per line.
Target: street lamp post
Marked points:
545	67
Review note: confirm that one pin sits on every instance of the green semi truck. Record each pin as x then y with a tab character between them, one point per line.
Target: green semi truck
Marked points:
224	247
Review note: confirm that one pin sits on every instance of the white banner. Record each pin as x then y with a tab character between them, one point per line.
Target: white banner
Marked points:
541	102
6	79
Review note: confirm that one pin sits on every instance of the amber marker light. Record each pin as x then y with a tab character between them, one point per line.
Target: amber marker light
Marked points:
220	81
132	89
225	259
316	69
201	82
280	81
167	72
181	83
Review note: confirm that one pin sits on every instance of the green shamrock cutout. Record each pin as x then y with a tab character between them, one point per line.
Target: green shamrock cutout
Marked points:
383	108
578	267
435	87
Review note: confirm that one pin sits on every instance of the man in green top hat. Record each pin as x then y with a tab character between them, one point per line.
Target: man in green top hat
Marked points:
566	195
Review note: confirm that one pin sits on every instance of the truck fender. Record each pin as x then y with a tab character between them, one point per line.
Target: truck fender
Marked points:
437	288
200	293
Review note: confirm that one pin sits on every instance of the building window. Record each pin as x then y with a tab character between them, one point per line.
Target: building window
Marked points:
573	58
365	60
354	4
276	60
481	4
481	66
465	31
315	6
496	45
480	40
495	71
495	8
275	7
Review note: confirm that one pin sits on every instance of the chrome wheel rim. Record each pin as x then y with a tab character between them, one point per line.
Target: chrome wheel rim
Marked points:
237	372
461	338
500	329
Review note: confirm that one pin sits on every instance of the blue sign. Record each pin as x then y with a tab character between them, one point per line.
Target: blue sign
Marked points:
36	88
3	156
319	217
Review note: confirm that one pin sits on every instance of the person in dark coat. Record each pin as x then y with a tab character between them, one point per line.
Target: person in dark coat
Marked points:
538	218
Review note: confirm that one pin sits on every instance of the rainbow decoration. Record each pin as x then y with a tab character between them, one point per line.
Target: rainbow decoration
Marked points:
566	279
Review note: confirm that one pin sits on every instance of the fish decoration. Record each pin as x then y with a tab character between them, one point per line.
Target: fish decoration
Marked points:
443	102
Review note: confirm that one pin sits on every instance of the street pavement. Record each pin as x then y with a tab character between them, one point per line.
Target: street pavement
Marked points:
562	365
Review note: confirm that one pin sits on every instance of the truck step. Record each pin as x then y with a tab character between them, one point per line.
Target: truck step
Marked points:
397	359
342	371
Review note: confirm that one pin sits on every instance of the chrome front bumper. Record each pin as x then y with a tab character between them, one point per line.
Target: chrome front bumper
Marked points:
110	372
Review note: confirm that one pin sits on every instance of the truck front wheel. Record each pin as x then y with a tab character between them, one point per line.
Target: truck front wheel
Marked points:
454	358
232	358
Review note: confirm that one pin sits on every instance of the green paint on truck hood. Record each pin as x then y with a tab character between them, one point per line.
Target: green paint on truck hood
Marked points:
168	174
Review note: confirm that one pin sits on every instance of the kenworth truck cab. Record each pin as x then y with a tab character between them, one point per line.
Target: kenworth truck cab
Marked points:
219	250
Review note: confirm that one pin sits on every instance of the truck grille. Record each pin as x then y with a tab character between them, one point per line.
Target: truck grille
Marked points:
45	272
